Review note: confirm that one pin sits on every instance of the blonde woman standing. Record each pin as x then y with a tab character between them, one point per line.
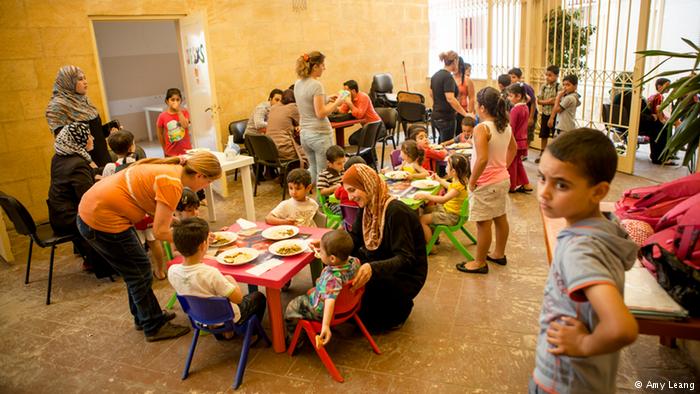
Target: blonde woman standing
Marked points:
314	107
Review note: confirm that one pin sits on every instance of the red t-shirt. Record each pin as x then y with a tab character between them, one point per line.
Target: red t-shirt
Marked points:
176	137
343	197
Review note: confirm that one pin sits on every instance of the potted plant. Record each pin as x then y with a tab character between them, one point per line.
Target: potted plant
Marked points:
683	97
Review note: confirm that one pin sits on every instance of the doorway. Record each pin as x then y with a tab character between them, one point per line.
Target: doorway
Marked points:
139	61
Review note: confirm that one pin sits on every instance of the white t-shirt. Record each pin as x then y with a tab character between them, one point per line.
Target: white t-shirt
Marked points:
111	168
301	211
304	91
201	280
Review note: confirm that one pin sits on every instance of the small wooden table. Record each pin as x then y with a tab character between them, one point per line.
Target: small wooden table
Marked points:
273	280
667	330
340	130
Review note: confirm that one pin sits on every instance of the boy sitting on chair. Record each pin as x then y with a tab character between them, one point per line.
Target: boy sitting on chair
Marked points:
299	209
318	303
194	278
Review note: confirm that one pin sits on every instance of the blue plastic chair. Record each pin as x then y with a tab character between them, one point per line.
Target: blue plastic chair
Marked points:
214	315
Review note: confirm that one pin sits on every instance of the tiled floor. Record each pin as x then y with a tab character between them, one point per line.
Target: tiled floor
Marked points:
466	333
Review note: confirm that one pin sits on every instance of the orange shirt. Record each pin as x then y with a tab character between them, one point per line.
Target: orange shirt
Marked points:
364	110
119	201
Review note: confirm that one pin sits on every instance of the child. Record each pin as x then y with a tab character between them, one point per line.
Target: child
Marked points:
188	207
519	115
329	179
584	321
431	156
194	278
173	125
412	159
340	193
565	105
655	100
468	124
449	206
548	94
494	150
318	303
503	83
299	209
121	142
516	76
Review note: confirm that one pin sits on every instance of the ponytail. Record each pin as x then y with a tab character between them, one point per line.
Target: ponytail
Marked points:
202	162
460	164
495	105
307	61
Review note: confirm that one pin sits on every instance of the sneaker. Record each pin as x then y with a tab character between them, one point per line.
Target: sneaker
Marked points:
167	317
168	331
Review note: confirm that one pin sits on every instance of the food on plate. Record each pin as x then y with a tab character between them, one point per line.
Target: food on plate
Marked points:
289	250
285	232
436	146
461	145
396	175
425	184
220	240
280	232
238	257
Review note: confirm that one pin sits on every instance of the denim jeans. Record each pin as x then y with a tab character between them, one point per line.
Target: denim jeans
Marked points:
126	255
315	146
446	128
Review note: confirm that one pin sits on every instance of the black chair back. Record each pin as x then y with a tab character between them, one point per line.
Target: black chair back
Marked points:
18	214
389	117
382	83
368	138
620	116
237	130
264	148
411	112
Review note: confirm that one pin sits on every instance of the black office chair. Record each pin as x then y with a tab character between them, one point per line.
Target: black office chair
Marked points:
237	130
266	154
42	234
411	109
367	146
389	117
381	91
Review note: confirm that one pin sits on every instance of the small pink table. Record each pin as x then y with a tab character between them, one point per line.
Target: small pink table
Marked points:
273	280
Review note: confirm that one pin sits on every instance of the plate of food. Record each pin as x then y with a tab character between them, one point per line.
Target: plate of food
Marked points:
425	184
223	238
280	232
461	145
396	175
288	247
237	256
466	152
436	147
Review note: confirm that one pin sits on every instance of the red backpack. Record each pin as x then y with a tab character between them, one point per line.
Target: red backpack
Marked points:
650	203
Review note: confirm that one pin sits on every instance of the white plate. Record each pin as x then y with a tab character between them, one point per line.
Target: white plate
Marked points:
425	184
245	255
436	147
460	145
227	238
300	246
280	232
396	175
466	152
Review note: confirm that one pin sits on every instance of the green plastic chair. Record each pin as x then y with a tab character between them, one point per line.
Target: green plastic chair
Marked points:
450	230
333	220
169	254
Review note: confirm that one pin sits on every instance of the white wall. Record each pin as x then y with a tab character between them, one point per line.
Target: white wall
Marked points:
139	61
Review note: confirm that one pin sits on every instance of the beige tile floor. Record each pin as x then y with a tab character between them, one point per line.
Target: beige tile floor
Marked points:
466	333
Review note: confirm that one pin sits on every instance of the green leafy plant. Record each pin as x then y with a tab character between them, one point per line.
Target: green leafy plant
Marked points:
565	28
683	97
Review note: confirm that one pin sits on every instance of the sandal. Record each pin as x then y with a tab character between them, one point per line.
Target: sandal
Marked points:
481	270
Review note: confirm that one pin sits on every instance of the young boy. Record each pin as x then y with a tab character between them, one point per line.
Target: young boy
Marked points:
548	93
340	193
565	105
121	142
468	124
516	76
655	100
319	301
194	278
299	209
329	179
503	82
431	156
584	321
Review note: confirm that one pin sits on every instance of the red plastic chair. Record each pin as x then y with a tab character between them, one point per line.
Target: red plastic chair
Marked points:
346	307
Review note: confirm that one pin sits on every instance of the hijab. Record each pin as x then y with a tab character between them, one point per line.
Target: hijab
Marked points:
72	140
366	179
66	105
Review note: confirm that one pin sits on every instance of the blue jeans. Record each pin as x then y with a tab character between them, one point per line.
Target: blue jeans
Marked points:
315	146
446	128
126	255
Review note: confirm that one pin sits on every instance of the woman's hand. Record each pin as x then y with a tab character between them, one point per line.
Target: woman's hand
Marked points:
363	276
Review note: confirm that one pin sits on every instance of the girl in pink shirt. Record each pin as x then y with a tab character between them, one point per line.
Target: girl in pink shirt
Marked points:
519	115
494	150
173	125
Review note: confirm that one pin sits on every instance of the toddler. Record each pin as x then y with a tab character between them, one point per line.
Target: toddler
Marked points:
412	159
448	207
584	322
194	278
518	117
299	209
173	125
318	303
548	94
121	142
188	207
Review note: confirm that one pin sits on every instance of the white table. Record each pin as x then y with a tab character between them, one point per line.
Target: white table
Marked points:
243	163
147	111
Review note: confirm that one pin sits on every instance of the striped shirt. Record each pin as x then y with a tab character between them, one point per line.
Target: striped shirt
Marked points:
328	177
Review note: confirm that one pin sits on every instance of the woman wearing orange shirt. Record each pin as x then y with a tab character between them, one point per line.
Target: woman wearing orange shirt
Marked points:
107	214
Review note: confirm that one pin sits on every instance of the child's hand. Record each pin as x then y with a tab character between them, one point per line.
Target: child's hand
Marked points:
325	335
293	222
421	196
434	176
567	337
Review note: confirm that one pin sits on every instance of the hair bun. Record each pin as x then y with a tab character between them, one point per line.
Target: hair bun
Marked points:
305	57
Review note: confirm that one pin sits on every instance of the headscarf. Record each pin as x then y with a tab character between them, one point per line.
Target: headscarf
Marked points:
366	179
66	105
72	140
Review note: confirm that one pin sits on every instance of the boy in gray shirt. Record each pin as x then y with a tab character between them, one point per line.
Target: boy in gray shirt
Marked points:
584	321
565	105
